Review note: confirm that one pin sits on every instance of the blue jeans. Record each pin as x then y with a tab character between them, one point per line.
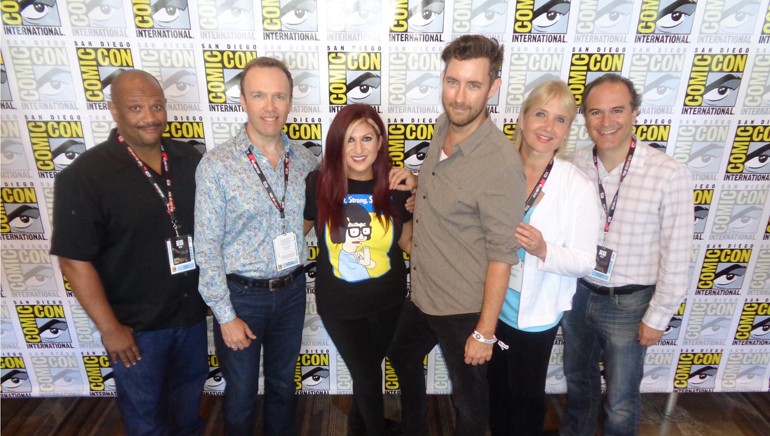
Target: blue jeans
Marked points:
276	318
416	334
161	394
603	327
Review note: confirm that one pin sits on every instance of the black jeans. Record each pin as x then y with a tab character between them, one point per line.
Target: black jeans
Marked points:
517	380
362	343
417	333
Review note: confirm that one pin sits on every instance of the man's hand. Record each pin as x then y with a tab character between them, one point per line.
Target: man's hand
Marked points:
648	335
477	353
237	334
119	343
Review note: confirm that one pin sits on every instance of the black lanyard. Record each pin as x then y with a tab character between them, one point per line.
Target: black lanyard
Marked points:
602	196
538	187
168	200
281	206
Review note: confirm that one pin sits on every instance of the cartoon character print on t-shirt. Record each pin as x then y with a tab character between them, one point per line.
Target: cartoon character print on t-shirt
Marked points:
359	251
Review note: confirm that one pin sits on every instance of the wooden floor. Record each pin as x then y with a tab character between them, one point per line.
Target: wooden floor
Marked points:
324	415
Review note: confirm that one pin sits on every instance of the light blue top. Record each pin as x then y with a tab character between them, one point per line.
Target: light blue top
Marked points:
509	313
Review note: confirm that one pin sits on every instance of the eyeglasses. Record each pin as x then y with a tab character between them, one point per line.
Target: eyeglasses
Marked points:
355	232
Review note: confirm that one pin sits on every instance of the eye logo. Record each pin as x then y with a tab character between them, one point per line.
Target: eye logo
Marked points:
418	16
723	269
714	80
290	15
738	212
161	14
584	67
96	13
55	144
750	154
98	68
44	325
14	377
542	16
42	13
666	16
702	200
101	382
312	373
354	77
223	74
754	325
730	18
696	371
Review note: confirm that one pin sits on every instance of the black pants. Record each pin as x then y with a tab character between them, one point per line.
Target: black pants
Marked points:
517	381
416	335
363	343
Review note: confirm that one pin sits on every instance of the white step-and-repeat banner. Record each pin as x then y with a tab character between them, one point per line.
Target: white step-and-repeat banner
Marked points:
703	68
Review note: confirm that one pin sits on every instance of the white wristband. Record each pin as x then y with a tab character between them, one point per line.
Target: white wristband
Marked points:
479	337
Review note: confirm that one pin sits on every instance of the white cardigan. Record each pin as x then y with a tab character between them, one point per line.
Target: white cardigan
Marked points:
568	217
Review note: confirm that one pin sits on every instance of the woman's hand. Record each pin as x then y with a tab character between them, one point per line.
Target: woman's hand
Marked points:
401	179
531	240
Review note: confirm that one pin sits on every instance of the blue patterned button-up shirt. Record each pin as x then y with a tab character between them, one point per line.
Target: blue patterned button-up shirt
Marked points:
235	220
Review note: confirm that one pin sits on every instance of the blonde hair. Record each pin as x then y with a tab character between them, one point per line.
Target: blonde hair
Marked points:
550	90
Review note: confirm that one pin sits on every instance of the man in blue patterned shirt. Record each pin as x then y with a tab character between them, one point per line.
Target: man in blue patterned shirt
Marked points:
248	224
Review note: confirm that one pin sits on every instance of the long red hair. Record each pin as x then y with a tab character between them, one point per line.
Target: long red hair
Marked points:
332	186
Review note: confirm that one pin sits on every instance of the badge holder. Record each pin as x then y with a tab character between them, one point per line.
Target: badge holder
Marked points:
285	250
605	261
181	253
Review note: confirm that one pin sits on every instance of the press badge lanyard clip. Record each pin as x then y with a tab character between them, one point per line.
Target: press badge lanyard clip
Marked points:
605	257
181	254
285	245
517	271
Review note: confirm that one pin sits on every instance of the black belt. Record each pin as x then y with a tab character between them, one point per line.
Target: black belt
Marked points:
271	284
614	290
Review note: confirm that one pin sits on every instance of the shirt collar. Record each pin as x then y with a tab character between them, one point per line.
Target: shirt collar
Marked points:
470	143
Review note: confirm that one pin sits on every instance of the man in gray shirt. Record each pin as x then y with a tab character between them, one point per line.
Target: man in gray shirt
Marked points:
468	204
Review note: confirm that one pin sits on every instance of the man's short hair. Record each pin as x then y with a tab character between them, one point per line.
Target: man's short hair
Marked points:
473	47
636	99
267	62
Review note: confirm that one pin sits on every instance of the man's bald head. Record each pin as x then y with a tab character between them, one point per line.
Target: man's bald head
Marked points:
130	79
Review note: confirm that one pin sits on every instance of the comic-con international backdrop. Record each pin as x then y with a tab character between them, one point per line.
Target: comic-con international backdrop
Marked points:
703	68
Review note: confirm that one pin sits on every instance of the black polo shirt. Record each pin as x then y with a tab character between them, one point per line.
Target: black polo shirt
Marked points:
107	212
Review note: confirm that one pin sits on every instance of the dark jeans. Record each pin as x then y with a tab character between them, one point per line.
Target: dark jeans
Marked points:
161	394
517	380
276	318
417	333
362	343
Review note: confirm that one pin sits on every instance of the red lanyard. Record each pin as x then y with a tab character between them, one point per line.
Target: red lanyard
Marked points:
168	200
602	196
538	187
281	206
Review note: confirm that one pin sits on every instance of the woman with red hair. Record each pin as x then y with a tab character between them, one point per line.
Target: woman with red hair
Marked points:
363	230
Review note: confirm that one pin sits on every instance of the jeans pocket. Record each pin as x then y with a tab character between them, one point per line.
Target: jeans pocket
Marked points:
638	301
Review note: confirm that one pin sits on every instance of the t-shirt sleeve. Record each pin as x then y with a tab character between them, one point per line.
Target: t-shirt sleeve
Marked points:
311	208
78	225
399	200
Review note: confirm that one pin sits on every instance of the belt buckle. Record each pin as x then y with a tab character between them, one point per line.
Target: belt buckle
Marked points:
274	284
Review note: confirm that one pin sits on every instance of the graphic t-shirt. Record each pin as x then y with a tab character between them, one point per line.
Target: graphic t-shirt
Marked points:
360	268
